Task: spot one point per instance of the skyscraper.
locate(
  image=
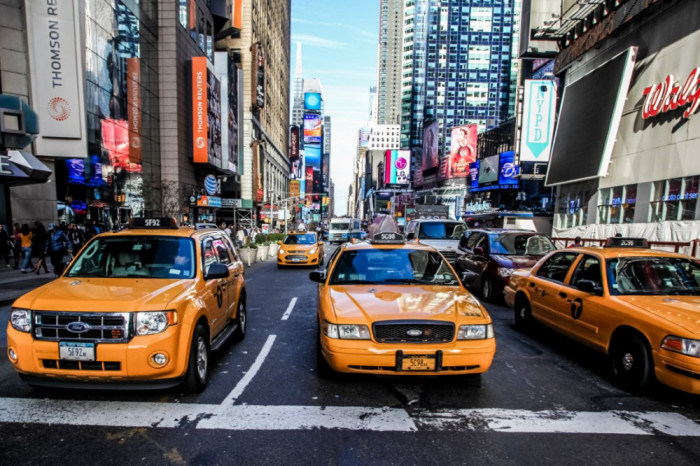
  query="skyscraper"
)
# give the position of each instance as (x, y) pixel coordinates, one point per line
(389, 62)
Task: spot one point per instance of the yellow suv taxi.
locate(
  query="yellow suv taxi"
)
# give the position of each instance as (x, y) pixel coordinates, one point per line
(387, 306)
(639, 306)
(300, 248)
(141, 308)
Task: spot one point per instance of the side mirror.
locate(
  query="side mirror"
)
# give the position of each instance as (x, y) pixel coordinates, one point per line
(216, 271)
(589, 286)
(468, 277)
(410, 236)
(479, 251)
(320, 243)
(279, 242)
(318, 277)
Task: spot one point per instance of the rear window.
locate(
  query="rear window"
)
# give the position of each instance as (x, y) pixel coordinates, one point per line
(441, 230)
(520, 245)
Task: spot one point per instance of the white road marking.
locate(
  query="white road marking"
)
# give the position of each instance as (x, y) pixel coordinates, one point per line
(289, 308)
(277, 418)
(254, 368)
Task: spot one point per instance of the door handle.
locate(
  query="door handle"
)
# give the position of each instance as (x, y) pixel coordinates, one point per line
(562, 294)
(531, 284)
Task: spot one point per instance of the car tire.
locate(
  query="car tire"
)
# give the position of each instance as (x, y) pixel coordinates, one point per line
(197, 375)
(523, 314)
(486, 289)
(631, 361)
(241, 319)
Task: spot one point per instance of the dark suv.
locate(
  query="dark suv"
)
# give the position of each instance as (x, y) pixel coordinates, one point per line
(489, 256)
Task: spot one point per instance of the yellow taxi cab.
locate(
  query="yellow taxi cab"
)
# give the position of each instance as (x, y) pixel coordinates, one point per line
(387, 306)
(302, 248)
(141, 308)
(638, 306)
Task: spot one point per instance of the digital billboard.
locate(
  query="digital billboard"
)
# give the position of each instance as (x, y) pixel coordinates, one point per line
(430, 146)
(313, 125)
(489, 170)
(312, 101)
(199, 109)
(462, 150)
(508, 171)
(474, 174)
(364, 137)
(312, 155)
(397, 166)
(539, 111)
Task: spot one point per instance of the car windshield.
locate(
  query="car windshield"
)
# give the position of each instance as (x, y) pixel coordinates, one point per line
(136, 257)
(441, 230)
(512, 244)
(340, 226)
(653, 276)
(393, 266)
(308, 238)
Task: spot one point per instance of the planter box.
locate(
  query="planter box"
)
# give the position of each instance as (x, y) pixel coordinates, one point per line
(263, 251)
(273, 249)
(248, 255)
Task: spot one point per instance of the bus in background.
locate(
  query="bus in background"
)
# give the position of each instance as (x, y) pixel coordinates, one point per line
(344, 229)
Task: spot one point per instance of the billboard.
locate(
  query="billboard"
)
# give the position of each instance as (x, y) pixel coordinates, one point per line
(228, 73)
(539, 112)
(508, 171)
(312, 155)
(133, 107)
(364, 137)
(199, 109)
(474, 174)
(430, 146)
(312, 101)
(313, 125)
(462, 150)
(397, 166)
(258, 76)
(489, 170)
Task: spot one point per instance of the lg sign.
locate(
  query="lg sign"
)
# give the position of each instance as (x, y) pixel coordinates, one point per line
(670, 95)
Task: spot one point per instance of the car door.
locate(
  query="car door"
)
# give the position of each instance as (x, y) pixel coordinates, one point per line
(464, 260)
(545, 286)
(232, 286)
(215, 295)
(582, 310)
(237, 279)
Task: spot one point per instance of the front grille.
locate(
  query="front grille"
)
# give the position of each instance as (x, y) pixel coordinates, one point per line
(399, 331)
(82, 365)
(103, 327)
(449, 255)
(298, 257)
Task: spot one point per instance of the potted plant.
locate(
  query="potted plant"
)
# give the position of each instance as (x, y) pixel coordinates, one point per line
(248, 252)
(263, 246)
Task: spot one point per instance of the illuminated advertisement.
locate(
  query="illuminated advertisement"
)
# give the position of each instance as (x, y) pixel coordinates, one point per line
(312, 101)
(462, 150)
(508, 171)
(199, 108)
(214, 119)
(115, 140)
(430, 146)
(294, 142)
(364, 137)
(133, 107)
(474, 174)
(312, 155)
(489, 170)
(539, 111)
(313, 125)
(397, 165)
(258, 76)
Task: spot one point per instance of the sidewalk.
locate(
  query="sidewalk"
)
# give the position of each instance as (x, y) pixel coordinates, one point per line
(14, 284)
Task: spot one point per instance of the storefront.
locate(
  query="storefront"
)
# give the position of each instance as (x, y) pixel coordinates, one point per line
(625, 155)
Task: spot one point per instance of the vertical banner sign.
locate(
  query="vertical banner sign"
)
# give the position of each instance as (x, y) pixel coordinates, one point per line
(462, 150)
(258, 76)
(539, 109)
(199, 110)
(294, 142)
(237, 19)
(232, 108)
(133, 105)
(397, 166)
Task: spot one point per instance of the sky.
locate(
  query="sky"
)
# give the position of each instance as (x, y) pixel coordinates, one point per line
(339, 46)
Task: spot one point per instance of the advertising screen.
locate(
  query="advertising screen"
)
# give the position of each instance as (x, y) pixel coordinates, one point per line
(489, 170)
(232, 108)
(430, 146)
(313, 125)
(398, 166)
(364, 137)
(474, 174)
(312, 101)
(508, 172)
(312, 155)
(462, 150)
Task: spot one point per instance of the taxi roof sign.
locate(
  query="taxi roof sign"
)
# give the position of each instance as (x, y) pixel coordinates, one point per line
(385, 230)
(148, 223)
(618, 242)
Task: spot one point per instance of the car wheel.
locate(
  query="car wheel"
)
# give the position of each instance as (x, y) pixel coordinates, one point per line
(198, 368)
(486, 289)
(632, 364)
(241, 320)
(523, 314)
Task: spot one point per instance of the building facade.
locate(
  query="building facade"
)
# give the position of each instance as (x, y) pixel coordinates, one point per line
(389, 61)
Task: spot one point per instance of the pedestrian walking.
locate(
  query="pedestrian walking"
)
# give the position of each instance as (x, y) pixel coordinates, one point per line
(57, 246)
(39, 247)
(5, 246)
(17, 243)
(26, 236)
(76, 237)
(240, 237)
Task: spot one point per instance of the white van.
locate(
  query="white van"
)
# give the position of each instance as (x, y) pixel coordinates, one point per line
(442, 234)
(344, 229)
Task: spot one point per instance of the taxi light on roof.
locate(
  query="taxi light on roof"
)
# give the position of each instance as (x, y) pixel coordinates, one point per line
(618, 242)
(146, 223)
(385, 230)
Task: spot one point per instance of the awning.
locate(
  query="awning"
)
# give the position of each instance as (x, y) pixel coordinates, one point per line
(19, 167)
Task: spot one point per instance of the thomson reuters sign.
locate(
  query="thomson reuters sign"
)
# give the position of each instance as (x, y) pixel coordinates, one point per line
(199, 110)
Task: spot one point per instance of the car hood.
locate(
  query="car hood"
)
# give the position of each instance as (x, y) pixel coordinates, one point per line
(104, 295)
(297, 247)
(441, 244)
(683, 311)
(516, 262)
(385, 302)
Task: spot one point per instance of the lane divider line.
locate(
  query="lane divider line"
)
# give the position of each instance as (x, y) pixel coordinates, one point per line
(289, 308)
(254, 368)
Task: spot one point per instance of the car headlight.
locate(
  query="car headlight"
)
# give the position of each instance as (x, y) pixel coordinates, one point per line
(313, 250)
(281, 252)
(346, 331)
(475, 332)
(148, 323)
(504, 272)
(21, 320)
(682, 345)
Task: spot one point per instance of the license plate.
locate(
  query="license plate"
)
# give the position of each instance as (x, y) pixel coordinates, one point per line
(296, 259)
(76, 351)
(417, 363)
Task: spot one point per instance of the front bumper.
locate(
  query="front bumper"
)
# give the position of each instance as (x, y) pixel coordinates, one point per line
(301, 260)
(677, 370)
(365, 356)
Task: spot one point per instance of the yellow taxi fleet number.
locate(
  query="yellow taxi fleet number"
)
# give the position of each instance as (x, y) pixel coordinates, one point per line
(152, 222)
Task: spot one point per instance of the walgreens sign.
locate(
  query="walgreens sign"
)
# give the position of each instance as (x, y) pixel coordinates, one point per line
(669, 95)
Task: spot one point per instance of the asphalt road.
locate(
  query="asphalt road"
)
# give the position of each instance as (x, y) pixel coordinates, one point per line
(545, 400)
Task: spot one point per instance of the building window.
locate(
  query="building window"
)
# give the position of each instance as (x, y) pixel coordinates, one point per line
(183, 13)
(674, 199)
(618, 204)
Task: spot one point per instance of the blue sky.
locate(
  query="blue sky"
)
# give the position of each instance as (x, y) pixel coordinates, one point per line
(339, 46)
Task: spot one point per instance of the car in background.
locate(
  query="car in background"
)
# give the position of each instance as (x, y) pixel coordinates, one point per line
(392, 307)
(442, 234)
(301, 248)
(489, 257)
